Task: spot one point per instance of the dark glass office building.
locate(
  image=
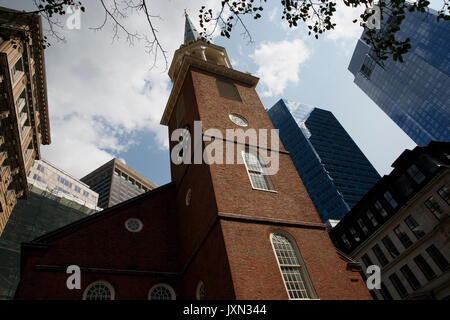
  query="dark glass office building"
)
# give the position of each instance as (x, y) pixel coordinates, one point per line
(415, 94)
(115, 182)
(333, 169)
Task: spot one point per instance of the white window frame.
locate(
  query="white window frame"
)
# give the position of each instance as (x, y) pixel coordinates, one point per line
(102, 282)
(164, 285)
(263, 171)
(301, 265)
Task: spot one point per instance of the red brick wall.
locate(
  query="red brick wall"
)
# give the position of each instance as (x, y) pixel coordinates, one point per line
(256, 274)
(211, 266)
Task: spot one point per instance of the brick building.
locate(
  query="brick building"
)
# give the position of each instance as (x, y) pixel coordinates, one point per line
(217, 231)
(55, 200)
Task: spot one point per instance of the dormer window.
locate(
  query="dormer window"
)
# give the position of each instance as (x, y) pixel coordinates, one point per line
(416, 174)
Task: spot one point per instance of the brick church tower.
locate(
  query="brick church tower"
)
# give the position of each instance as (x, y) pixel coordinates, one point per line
(218, 230)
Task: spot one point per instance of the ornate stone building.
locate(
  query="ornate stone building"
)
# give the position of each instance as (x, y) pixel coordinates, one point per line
(24, 122)
(402, 225)
(217, 231)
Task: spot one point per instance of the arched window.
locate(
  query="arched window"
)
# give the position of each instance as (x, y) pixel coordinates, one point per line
(161, 291)
(200, 294)
(293, 271)
(99, 290)
(256, 172)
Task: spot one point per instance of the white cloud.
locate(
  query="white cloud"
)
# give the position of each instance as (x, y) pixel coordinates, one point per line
(279, 64)
(345, 30)
(102, 94)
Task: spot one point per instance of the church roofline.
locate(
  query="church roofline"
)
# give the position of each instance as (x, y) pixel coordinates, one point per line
(189, 62)
(38, 242)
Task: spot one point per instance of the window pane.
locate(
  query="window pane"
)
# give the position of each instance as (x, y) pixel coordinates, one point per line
(390, 199)
(444, 193)
(390, 246)
(354, 234)
(415, 173)
(438, 258)
(366, 259)
(292, 271)
(252, 162)
(380, 209)
(403, 236)
(345, 241)
(433, 206)
(255, 171)
(362, 226)
(424, 267)
(380, 255)
(414, 227)
(385, 292)
(410, 277)
(372, 218)
(398, 285)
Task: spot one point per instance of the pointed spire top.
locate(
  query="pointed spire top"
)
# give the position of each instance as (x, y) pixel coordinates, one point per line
(190, 33)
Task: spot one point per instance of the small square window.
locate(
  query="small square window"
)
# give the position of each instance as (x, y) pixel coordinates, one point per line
(444, 193)
(414, 227)
(416, 174)
(433, 206)
(228, 90)
(390, 199)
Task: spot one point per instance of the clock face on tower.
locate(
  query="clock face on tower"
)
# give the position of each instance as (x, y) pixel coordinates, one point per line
(238, 120)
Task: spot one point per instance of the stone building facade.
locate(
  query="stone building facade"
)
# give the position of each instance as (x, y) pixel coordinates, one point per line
(402, 225)
(24, 121)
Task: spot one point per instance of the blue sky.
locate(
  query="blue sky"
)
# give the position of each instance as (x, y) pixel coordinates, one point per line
(105, 101)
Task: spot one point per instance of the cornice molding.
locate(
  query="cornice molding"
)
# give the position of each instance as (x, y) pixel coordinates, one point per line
(256, 219)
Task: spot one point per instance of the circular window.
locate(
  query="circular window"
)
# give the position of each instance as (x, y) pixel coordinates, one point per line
(238, 120)
(161, 292)
(99, 290)
(133, 225)
(200, 291)
(188, 197)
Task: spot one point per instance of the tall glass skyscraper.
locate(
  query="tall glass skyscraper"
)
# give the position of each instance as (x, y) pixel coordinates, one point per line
(333, 169)
(415, 94)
